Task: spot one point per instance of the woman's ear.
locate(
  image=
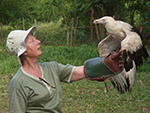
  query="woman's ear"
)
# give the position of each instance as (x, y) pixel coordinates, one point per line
(25, 53)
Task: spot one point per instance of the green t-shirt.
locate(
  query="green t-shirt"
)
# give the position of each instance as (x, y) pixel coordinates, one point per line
(28, 94)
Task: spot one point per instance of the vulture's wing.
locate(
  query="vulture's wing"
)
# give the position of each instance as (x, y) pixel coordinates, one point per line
(119, 81)
(134, 54)
(107, 45)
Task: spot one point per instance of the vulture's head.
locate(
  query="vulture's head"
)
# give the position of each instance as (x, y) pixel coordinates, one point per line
(104, 20)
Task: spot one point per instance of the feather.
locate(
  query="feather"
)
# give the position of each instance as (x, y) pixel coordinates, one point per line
(126, 37)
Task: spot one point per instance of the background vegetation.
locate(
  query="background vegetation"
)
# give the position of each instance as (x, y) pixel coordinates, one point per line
(68, 35)
(58, 19)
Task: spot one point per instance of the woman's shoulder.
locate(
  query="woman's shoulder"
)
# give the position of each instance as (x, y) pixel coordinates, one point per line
(16, 80)
(17, 77)
(49, 64)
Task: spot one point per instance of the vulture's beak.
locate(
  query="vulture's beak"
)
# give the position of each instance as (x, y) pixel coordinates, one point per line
(97, 21)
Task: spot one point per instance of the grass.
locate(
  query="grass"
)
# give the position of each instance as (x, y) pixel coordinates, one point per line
(83, 96)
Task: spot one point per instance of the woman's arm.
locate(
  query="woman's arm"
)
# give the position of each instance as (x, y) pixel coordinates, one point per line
(78, 73)
(99, 68)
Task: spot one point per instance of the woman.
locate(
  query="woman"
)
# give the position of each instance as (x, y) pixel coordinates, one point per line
(36, 87)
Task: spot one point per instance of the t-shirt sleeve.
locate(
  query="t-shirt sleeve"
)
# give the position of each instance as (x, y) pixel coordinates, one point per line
(64, 72)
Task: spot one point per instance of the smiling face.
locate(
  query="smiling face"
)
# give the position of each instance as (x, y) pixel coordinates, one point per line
(33, 47)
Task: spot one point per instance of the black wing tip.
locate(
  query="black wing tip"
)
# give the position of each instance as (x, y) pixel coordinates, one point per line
(128, 61)
(126, 87)
(134, 29)
(138, 57)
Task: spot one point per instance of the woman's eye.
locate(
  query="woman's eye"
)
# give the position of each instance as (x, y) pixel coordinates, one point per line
(32, 41)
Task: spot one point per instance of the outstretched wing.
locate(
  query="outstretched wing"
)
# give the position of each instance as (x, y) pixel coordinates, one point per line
(119, 81)
(107, 45)
(134, 54)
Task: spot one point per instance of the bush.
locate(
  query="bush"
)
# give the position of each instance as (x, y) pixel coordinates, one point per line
(4, 33)
(51, 33)
(55, 33)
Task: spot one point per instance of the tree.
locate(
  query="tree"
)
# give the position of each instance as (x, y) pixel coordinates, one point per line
(10, 10)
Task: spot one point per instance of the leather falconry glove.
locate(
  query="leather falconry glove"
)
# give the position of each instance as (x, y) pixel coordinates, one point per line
(101, 68)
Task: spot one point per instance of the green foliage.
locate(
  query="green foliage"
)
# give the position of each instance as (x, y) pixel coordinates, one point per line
(52, 33)
(5, 31)
(50, 10)
(85, 96)
(71, 55)
(8, 63)
(46, 10)
(11, 10)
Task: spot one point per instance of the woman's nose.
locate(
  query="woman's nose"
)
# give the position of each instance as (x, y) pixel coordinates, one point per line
(38, 41)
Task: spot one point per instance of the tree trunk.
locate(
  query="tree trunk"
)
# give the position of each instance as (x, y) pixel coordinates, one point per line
(67, 28)
(101, 27)
(72, 31)
(35, 22)
(109, 10)
(102, 31)
(91, 24)
(67, 36)
(97, 33)
(23, 25)
(132, 17)
(75, 31)
(141, 28)
(2, 38)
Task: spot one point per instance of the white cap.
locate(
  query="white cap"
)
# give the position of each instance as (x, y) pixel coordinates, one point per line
(16, 41)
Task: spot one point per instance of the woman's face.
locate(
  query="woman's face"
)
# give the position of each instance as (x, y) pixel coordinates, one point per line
(33, 46)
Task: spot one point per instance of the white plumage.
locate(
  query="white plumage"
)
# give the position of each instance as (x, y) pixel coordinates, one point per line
(129, 40)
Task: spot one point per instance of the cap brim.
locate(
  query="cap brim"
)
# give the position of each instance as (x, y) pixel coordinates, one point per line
(31, 30)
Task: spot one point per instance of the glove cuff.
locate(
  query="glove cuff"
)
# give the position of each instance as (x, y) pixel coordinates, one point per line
(96, 69)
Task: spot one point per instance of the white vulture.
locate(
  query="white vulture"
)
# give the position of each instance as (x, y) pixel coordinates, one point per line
(129, 40)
